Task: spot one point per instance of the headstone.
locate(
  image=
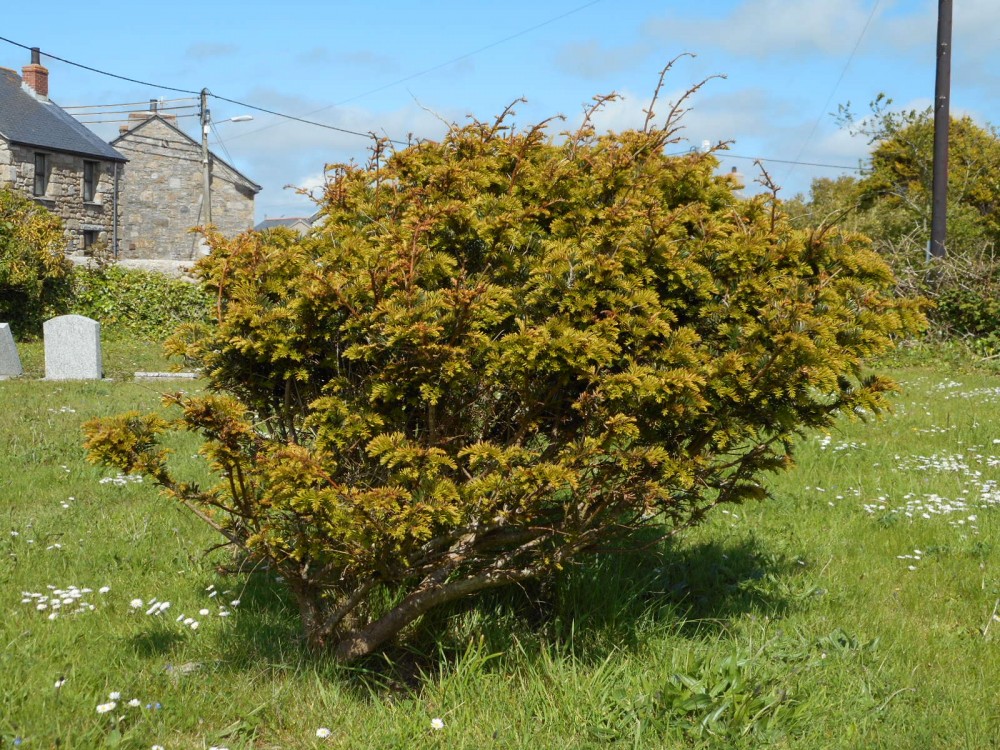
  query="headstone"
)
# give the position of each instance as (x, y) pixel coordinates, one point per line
(10, 363)
(72, 348)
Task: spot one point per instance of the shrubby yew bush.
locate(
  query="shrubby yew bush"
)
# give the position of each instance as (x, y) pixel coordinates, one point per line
(34, 271)
(501, 352)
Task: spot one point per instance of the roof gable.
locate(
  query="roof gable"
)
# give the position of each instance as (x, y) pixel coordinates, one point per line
(156, 120)
(28, 121)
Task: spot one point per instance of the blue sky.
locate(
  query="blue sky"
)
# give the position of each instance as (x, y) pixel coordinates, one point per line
(400, 68)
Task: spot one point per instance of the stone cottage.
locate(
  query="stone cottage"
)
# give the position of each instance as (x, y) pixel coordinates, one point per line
(46, 154)
(162, 194)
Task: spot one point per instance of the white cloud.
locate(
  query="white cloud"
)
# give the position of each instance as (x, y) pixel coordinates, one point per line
(209, 50)
(591, 59)
(769, 28)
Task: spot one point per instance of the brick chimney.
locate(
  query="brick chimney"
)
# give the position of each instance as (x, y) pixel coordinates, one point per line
(136, 118)
(36, 75)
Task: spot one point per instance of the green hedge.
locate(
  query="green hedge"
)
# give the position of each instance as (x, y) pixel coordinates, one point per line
(133, 302)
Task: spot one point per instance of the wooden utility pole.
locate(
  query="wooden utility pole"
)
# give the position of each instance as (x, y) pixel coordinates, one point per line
(206, 163)
(942, 122)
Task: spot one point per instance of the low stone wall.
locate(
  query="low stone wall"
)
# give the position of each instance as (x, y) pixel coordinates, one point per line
(180, 269)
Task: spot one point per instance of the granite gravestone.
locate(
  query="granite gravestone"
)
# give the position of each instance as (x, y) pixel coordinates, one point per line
(72, 348)
(10, 363)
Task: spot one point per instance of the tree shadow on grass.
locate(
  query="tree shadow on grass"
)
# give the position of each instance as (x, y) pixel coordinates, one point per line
(612, 602)
(603, 604)
(155, 642)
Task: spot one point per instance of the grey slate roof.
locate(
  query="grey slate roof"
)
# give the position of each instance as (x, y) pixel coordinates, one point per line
(26, 121)
(285, 222)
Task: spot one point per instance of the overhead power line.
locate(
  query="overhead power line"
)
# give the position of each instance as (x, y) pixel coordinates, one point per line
(294, 118)
(129, 104)
(727, 155)
(198, 93)
(125, 119)
(299, 119)
(431, 69)
(369, 134)
(128, 111)
(101, 72)
(840, 79)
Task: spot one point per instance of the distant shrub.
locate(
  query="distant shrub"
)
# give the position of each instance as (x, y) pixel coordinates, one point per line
(34, 271)
(140, 303)
(964, 288)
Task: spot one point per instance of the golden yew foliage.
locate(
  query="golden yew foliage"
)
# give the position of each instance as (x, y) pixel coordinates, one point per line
(502, 351)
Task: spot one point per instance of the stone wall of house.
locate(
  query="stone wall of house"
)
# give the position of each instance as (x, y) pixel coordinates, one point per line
(161, 195)
(64, 193)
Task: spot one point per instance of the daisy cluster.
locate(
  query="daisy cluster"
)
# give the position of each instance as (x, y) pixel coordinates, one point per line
(71, 600)
(155, 608)
(844, 445)
(947, 385)
(930, 505)
(986, 395)
(115, 700)
(122, 479)
(977, 493)
(916, 556)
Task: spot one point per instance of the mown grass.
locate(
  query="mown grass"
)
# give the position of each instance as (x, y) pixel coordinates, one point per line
(793, 623)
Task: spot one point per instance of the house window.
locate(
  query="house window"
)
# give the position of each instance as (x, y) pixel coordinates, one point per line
(89, 240)
(90, 174)
(41, 173)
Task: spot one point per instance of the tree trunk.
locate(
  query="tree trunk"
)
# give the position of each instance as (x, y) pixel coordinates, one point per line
(364, 641)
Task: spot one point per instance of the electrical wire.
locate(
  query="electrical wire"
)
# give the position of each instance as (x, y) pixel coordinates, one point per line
(430, 69)
(796, 162)
(128, 104)
(99, 122)
(833, 91)
(130, 111)
(218, 139)
(366, 93)
(102, 72)
(298, 119)
(247, 105)
(214, 96)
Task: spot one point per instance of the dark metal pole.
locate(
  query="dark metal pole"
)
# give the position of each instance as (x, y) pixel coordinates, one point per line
(942, 121)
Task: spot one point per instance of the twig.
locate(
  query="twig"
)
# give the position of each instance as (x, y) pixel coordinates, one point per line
(993, 615)
(886, 701)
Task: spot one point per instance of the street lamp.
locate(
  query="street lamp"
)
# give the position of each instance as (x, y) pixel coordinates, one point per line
(206, 162)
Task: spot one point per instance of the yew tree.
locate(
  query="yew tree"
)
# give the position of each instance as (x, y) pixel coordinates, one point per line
(501, 352)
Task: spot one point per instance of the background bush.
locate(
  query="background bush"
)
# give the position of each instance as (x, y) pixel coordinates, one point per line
(891, 203)
(134, 302)
(34, 271)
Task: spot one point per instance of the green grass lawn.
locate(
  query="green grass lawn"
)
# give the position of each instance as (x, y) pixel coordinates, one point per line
(859, 608)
